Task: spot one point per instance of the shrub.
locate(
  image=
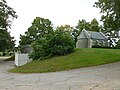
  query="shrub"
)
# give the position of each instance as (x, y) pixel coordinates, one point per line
(4, 54)
(60, 43)
(11, 53)
(40, 49)
(118, 44)
(97, 46)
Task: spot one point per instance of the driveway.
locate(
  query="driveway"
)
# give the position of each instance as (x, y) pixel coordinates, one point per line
(3, 58)
(104, 77)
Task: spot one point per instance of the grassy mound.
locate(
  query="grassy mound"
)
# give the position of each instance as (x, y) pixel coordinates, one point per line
(78, 59)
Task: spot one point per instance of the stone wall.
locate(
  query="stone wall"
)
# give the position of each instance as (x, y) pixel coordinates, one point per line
(82, 43)
(100, 42)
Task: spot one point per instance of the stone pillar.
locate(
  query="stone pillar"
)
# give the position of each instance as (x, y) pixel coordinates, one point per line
(89, 43)
(21, 59)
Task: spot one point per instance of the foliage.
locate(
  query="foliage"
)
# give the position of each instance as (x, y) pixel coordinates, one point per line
(37, 30)
(98, 46)
(45, 41)
(111, 16)
(66, 28)
(62, 42)
(94, 26)
(6, 41)
(4, 54)
(59, 43)
(7, 14)
(78, 59)
(83, 24)
(41, 48)
(118, 44)
(80, 26)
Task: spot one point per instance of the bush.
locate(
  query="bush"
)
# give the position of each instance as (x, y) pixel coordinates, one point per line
(118, 44)
(105, 47)
(60, 43)
(11, 53)
(40, 49)
(4, 54)
(97, 46)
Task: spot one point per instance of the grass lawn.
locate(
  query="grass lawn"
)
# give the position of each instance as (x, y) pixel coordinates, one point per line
(78, 59)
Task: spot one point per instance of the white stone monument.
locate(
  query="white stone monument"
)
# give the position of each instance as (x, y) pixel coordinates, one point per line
(21, 59)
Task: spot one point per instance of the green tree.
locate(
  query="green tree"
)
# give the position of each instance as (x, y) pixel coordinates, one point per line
(118, 44)
(37, 30)
(41, 48)
(83, 24)
(59, 43)
(111, 16)
(62, 42)
(94, 25)
(66, 28)
(7, 14)
(6, 41)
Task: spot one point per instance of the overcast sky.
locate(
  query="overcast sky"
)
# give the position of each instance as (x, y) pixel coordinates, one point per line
(60, 12)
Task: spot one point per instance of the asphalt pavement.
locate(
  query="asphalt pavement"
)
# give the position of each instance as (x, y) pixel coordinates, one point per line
(103, 77)
(3, 58)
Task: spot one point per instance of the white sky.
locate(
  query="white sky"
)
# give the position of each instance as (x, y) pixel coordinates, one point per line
(60, 12)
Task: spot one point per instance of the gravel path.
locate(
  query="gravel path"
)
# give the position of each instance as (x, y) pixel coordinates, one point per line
(104, 77)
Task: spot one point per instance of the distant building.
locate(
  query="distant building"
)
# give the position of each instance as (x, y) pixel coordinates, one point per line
(87, 39)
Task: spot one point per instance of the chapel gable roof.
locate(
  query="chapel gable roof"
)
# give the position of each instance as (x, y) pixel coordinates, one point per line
(91, 34)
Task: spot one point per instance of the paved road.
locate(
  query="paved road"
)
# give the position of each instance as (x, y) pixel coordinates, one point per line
(104, 77)
(3, 58)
